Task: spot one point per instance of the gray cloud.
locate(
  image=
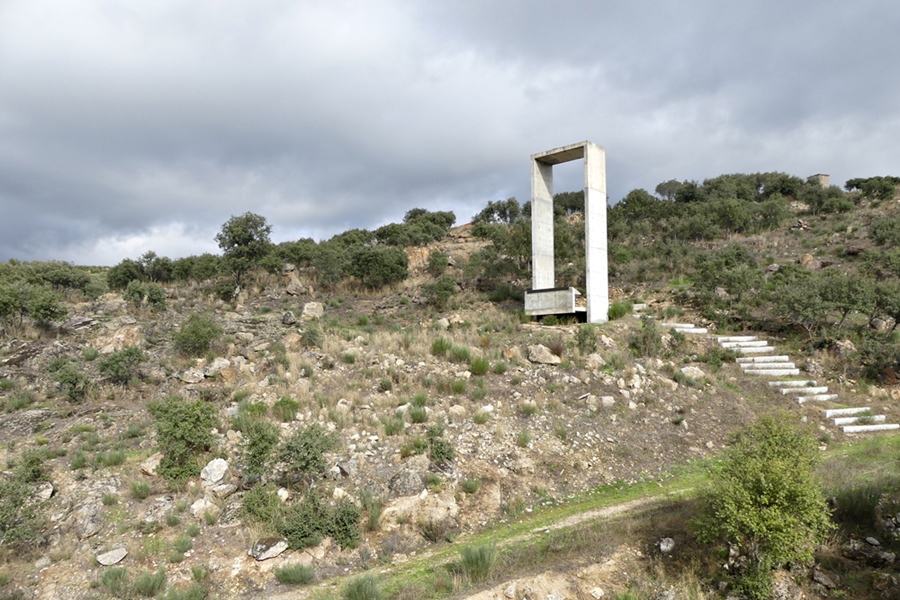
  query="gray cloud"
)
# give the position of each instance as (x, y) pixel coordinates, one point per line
(128, 127)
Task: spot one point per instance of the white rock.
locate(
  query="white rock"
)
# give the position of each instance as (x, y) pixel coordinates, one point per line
(693, 372)
(541, 354)
(266, 548)
(112, 557)
(151, 464)
(192, 375)
(199, 507)
(283, 494)
(312, 311)
(215, 470)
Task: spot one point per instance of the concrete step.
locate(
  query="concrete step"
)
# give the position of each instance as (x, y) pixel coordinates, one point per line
(868, 428)
(762, 350)
(749, 344)
(855, 420)
(768, 365)
(840, 412)
(753, 359)
(804, 391)
(815, 398)
(793, 383)
(736, 338)
(677, 325)
(691, 330)
(638, 307)
(773, 372)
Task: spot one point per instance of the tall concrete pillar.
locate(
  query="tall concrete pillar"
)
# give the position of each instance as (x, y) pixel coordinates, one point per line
(542, 254)
(595, 242)
(543, 274)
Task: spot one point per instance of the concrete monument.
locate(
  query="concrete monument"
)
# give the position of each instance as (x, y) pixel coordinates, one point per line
(545, 298)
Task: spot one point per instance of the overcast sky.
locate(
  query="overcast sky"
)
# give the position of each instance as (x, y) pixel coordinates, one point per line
(132, 126)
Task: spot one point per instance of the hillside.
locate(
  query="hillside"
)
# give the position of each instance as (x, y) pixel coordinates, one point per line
(369, 427)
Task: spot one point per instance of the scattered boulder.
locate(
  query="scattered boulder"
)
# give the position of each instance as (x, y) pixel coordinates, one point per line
(666, 545)
(288, 318)
(268, 547)
(407, 482)
(214, 471)
(312, 311)
(541, 354)
(112, 557)
(151, 464)
(693, 372)
(192, 375)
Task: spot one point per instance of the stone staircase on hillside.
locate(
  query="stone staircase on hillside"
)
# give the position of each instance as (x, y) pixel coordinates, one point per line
(757, 357)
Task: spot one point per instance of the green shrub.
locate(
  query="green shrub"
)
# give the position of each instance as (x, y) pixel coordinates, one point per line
(765, 499)
(140, 489)
(441, 451)
(196, 335)
(183, 543)
(499, 368)
(113, 458)
(458, 386)
(378, 266)
(344, 524)
(261, 439)
(183, 431)
(373, 507)
(303, 524)
(262, 505)
(364, 587)
(150, 584)
(438, 294)
(122, 366)
(471, 485)
(437, 263)
(440, 346)
(285, 409)
(115, 581)
(304, 452)
(523, 438)
(72, 382)
(418, 414)
(646, 342)
(392, 425)
(460, 354)
(477, 562)
(479, 365)
(480, 417)
(617, 310)
(295, 574)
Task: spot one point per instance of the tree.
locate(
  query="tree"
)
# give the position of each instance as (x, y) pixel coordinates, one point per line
(379, 266)
(765, 499)
(244, 241)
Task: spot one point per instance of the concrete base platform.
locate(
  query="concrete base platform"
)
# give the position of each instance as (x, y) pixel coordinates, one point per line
(793, 383)
(855, 420)
(753, 359)
(806, 391)
(749, 344)
(868, 428)
(815, 398)
(840, 412)
(768, 365)
(691, 330)
(761, 350)
(773, 372)
(736, 338)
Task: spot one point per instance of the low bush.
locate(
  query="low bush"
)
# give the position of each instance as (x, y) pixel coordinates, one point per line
(364, 587)
(183, 431)
(285, 409)
(479, 365)
(73, 384)
(196, 335)
(148, 584)
(440, 346)
(304, 451)
(477, 562)
(122, 366)
(295, 574)
(617, 310)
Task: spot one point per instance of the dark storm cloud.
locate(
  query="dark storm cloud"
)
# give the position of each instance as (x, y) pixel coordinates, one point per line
(126, 127)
